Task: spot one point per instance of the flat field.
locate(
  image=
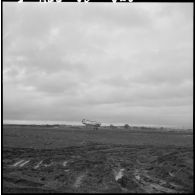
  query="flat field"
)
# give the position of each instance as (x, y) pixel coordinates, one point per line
(74, 159)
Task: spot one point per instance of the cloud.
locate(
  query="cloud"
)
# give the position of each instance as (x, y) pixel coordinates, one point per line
(114, 63)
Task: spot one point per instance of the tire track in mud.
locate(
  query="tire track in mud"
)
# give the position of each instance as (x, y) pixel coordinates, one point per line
(98, 168)
(150, 184)
(78, 181)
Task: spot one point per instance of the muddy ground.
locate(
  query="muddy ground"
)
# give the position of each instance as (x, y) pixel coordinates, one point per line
(94, 166)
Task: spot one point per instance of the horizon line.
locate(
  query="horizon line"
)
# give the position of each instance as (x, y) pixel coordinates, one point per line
(76, 123)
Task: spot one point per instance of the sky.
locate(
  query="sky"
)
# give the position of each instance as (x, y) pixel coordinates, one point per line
(113, 63)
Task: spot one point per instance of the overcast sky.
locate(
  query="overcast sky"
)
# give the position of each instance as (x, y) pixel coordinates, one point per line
(114, 63)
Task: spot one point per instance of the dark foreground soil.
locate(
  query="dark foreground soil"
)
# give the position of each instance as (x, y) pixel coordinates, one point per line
(98, 168)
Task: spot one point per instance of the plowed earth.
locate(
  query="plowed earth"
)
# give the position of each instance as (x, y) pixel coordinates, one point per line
(98, 168)
(37, 160)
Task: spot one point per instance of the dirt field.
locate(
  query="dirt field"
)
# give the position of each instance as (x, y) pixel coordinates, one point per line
(73, 159)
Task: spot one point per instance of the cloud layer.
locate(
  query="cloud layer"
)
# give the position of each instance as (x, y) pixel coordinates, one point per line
(116, 63)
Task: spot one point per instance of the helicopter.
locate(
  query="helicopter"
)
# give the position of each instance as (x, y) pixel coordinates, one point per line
(93, 124)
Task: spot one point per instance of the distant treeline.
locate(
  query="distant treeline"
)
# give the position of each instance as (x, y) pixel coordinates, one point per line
(34, 125)
(126, 126)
